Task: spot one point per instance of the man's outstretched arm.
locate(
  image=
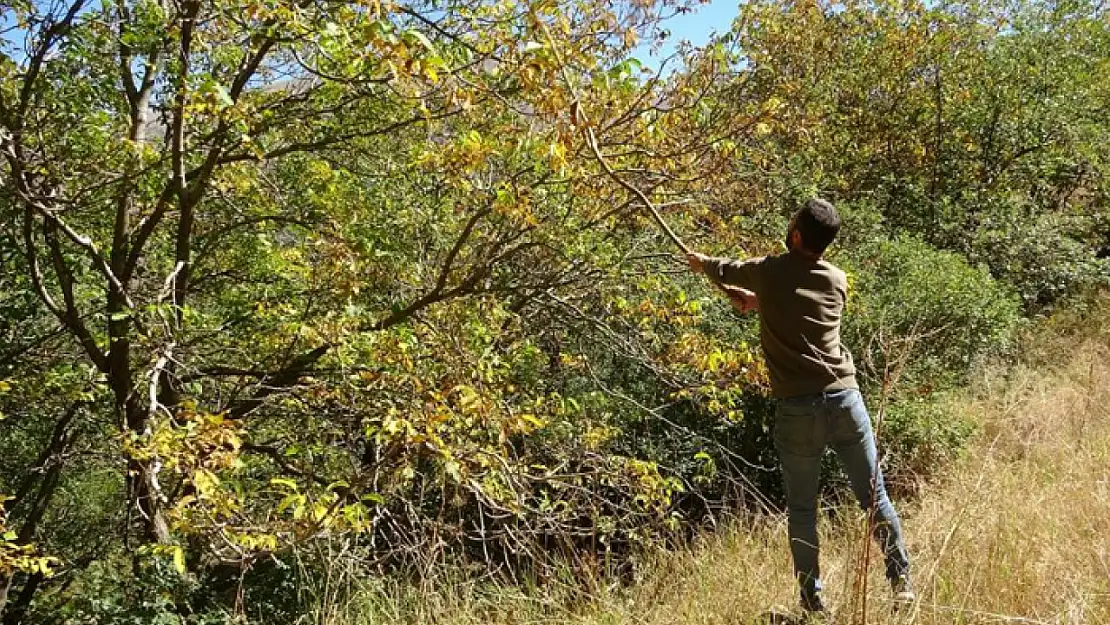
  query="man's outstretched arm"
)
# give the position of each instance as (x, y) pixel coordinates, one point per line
(741, 273)
(736, 278)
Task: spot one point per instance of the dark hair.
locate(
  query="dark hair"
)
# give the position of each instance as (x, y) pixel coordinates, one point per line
(817, 222)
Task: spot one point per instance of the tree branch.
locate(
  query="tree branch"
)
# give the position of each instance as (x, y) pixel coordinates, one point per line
(53, 448)
(280, 381)
(72, 317)
(55, 31)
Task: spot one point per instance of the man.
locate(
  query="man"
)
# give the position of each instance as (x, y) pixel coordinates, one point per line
(800, 299)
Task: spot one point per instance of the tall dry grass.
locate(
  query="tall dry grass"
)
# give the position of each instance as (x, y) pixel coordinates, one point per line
(1017, 532)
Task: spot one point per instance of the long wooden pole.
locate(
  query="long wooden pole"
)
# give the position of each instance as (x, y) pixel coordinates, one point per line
(580, 120)
(591, 142)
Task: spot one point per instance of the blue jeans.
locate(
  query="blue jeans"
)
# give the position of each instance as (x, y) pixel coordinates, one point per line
(804, 426)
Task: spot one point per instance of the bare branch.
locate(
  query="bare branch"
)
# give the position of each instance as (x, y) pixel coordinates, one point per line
(31, 250)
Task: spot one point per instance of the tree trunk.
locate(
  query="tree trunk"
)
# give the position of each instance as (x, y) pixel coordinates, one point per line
(18, 610)
(142, 479)
(38, 506)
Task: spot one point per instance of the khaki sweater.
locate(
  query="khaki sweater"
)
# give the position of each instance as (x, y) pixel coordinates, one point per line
(800, 304)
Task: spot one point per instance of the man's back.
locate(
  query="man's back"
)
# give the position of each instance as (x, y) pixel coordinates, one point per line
(801, 301)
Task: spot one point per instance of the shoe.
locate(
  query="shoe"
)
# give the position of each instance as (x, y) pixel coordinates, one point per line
(814, 613)
(809, 595)
(903, 590)
(812, 604)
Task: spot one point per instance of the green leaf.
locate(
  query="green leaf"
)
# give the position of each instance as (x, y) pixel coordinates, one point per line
(294, 500)
(286, 482)
(223, 95)
(419, 37)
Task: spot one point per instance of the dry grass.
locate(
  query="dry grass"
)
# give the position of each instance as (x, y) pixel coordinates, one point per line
(1019, 532)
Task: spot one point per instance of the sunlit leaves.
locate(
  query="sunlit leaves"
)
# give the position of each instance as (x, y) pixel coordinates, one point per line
(16, 555)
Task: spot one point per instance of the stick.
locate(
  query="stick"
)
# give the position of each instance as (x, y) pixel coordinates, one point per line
(579, 119)
(591, 141)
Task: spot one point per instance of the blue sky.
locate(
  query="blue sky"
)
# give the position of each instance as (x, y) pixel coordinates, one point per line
(695, 27)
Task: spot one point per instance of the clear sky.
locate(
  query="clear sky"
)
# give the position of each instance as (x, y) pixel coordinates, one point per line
(696, 27)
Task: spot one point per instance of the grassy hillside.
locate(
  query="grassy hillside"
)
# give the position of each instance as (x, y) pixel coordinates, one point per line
(1016, 532)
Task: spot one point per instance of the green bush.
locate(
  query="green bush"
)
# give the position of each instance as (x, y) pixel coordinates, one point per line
(118, 593)
(921, 317)
(1042, 256)
(920, 436)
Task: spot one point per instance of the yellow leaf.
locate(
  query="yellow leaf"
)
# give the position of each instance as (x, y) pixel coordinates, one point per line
(537, 422)
(205, 481)
(178, 559)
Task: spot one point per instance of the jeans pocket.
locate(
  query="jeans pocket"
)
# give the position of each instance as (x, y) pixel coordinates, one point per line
(795, 428)
(797, 406)
(853, 421)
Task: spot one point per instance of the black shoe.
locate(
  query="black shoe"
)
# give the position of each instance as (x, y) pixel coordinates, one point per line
(812, 603)
(814, 612)
(903, 591)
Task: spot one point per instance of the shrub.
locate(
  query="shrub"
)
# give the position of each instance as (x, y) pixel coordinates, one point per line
(922, 315)
(920, 436)
(1043, 257)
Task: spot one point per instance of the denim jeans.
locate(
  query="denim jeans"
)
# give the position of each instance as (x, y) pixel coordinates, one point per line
(804, 426)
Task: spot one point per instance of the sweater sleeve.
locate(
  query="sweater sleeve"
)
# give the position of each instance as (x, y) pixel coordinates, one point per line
(841, 285)
(741, 273)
